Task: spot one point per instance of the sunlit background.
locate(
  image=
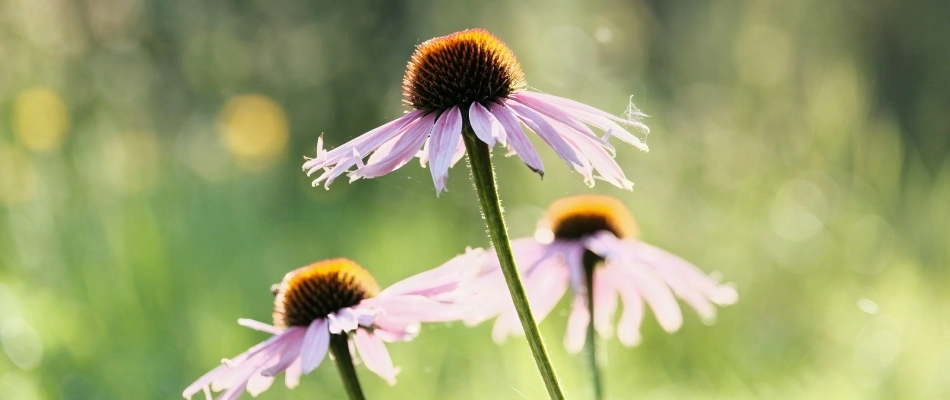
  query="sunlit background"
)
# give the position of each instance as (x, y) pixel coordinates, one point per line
(151, 192)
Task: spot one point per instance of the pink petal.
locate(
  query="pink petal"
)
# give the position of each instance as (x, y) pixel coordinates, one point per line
(516, 138)
(717, 293)
(448, 275)
(605, 303)
(344, 320)
(556, 113)
(593, 116)
(204, 381)
(459, 153)
(600, 160)
(342, 158)
(395, 331)
(486, 127)
(404, 148)
(545, 286)
(288, 354)
(375, 356)
(648, 283)
(628, 329)
(257, 384)
(292, 374)
(537, 123)
(315, 345)
(443, 144)
(577, 325)
(506, 324)
(412, 308)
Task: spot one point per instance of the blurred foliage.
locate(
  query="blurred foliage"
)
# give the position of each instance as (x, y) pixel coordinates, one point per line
(150, 189)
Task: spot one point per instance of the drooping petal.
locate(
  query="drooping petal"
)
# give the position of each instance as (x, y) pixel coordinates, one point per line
(537, 123)
(544, 286)
(605, 303)
(557, 114)
(516, 138)
(577, 325)
(443, 278)
(594, 116)
(628, 329)
(404, 148)
(204, 381)
(485, 125)
(341, 159)
(648, 283)
(715, 292)
(598, 158)
(315, 345)
(375, 356)
(443, 144)
(343, 320)
(258, 383)
(292, 374)
(412, 308)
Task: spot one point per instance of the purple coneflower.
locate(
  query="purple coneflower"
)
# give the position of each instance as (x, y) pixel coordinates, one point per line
(471, 78)
(592, 237)
(333, 301)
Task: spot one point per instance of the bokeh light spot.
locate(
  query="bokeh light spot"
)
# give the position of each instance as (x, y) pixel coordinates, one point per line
(40, 119)
(21, 342)
(254, 129)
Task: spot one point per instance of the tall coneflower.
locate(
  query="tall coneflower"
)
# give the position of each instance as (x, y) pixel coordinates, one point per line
(467, 93)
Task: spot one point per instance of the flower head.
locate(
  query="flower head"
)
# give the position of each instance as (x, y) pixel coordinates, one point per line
(471, 81)
(337, 297)
(595, 236)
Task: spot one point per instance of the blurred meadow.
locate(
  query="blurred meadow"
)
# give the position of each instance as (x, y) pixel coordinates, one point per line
(151, 192)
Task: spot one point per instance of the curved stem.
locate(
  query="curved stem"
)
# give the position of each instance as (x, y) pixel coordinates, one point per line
(590, 346)
(483, 174)
(340, 347)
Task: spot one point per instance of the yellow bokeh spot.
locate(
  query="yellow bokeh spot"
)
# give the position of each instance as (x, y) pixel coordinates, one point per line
(254, 129)
(17, 176)
(40, 119)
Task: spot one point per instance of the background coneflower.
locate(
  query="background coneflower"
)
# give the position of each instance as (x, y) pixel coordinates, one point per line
(588, 244)
(320, 308)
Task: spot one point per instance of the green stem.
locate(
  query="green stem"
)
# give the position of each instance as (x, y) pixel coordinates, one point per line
(340, 347)
(483, 174)
(590, 346)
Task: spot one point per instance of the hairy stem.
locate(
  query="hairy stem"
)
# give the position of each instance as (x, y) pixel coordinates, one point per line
(483, 174)
(340, 348)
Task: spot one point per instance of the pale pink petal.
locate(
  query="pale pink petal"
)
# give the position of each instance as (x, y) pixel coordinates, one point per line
(537, 123)
(516, 138)
(594, 116)
(344, 320)
(386, 148)
(410, 308)
(259, 326)
(424, 153)
(204, 381)
(506, 324)
(258, 384)
(486, 127)
(443, 144)
(599, 159)
(315, 345)
(445, 277)
(395, 331)
(544, 287)
(559, 115)
(717, 293)
(648, 283)
(404, 148)
(605, 303)
(374, 355)
(292, 374)
(288, 354)
(577, 325)
(628, 329)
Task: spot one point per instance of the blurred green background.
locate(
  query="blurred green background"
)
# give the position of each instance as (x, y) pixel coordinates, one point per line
(151, 192)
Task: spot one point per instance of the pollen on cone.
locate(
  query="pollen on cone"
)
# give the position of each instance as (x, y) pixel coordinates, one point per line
(314, 291)
(459, 69)
(578, 216)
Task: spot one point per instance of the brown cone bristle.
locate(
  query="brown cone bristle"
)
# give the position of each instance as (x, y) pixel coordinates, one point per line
(321, 288)
(459, 69)
(572, 218)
